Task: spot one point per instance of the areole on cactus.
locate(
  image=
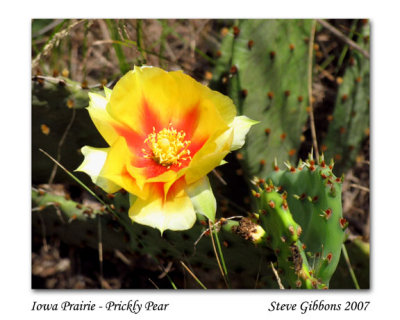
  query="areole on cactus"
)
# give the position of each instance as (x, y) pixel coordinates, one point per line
(166, 132)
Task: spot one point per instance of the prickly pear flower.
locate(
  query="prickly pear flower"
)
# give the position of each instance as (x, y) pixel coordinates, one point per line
(165, 133)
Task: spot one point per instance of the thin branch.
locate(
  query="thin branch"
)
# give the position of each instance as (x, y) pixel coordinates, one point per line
(172, 283)
(50, 26)
(342, 37)
(152, 282)
(166, 270)
(277, 277)
(122, 257)
(193, 275)
(221, 256)
(357, 186)
(326, 74)
(310, 96)
(85, 187)
(216, 254)
(54, 171)
(219, 177)
(217, 225)
(100, 249)
(53, 42)
(42, 224)
(258, 274)
(352, 274)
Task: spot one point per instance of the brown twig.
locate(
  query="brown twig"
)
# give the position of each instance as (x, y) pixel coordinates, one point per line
(193, 275)
(100, 249)
(342, 37)
(122, 257)
(54, 171)
(42, 224)
(50, 26)
(351, 271)
(277, 277)
(258, 274)
(166, 270)
(357, 186)
(310, 96)
(326, 74)
(216, 253)
(152, 282)
(53, 42)
(219, 177)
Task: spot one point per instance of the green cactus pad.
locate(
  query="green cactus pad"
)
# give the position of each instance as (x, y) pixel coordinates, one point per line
(264, 70)
(314, 197)
(349, 126)
(283, 234)
(59, 104)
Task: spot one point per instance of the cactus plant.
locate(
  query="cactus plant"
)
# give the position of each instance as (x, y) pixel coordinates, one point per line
(296, 224)
(306, 242)
(350, 120)
(77, 224)
(263, 68)
(283, 236)
(313, 194)
(59, 103)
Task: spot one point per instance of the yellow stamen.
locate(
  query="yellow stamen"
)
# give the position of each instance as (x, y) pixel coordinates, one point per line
(168, 147)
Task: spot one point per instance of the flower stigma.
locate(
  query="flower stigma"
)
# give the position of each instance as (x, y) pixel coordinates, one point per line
(167, 147)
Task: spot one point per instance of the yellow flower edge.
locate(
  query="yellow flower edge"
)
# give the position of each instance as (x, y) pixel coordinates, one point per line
(165, 133)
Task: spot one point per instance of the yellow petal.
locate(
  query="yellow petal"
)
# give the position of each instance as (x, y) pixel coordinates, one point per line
(210, 122)
(240, 126)
(107, 92)
(209, 157)
(145, 101)
(138, 174)
(93, 164)
(168, 184)
(136, 90)
(97, 101)
(104, 123)
(189, 92)
(168, 177)
(115, 169)
(202, 198)
(150, 97)
(223, 104)
(176, 213)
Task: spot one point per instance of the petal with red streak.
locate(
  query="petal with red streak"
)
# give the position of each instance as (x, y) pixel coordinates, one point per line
(116, 169)
(174, 213)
